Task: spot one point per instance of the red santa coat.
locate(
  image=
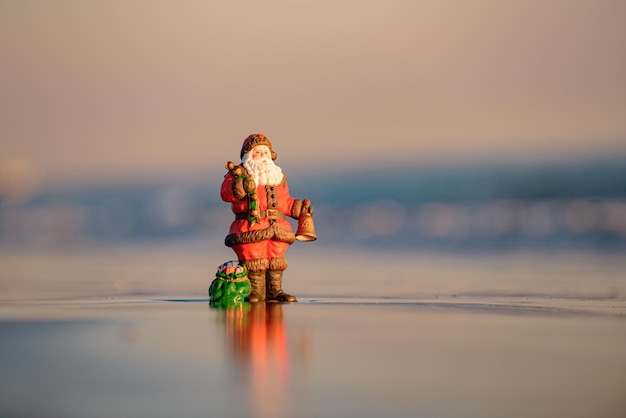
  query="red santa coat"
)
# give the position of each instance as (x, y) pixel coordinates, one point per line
(263, 244)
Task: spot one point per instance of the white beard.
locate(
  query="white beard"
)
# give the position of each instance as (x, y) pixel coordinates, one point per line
(263, 173)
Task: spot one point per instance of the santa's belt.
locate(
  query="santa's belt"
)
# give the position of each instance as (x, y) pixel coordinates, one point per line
(269, 214)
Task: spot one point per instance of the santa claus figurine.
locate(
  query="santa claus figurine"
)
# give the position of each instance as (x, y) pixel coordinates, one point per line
(260, 235)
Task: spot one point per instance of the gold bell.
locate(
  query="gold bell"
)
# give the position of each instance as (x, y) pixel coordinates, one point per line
(306, 228)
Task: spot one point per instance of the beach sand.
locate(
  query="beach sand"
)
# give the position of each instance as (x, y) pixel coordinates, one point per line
(128, 331)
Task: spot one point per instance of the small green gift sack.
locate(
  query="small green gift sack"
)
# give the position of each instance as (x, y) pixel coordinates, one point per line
(231, 285)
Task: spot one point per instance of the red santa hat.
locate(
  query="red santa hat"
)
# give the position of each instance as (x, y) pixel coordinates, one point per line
(255, 140)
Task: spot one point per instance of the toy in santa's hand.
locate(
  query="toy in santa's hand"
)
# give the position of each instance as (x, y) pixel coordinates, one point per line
(260, 234)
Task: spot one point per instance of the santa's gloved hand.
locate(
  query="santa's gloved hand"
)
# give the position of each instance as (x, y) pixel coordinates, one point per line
(249, 185)
(306, 207)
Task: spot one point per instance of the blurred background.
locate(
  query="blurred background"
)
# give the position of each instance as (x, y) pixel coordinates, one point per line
(447, 126)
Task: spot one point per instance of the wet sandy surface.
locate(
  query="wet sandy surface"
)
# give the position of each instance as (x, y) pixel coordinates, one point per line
(315, 358)
(472, 338)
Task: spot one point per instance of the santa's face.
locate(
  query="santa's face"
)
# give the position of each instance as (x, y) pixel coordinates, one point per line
(260, 166)
(261, 153)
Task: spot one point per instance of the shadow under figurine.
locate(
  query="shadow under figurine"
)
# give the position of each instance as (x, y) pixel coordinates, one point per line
(231, 285)
(260, 235)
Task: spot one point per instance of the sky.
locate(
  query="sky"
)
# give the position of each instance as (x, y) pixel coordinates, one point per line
(123, 90)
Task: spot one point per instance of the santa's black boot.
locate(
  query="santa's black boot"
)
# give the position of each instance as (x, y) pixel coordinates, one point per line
(257, 286)
(274, 287)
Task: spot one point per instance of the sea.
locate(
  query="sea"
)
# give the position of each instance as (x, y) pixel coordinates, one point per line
(451, 209)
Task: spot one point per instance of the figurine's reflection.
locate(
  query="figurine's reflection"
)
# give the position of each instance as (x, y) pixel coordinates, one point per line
(256, 336)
